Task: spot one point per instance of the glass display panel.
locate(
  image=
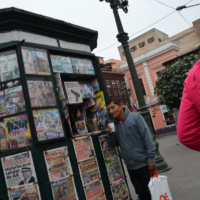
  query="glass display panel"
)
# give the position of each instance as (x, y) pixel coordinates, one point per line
(35, 61)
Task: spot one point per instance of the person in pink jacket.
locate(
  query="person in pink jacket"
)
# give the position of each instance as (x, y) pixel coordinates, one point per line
(188, 126)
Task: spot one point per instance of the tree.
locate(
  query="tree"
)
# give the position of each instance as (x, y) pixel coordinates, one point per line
(169, 86)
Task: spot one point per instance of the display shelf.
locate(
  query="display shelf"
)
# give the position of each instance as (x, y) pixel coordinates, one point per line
(73, 76)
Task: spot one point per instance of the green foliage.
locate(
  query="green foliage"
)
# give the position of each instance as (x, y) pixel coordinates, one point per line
(169, 86)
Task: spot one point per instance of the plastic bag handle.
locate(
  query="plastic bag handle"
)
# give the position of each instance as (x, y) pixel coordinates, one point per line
(154, 173)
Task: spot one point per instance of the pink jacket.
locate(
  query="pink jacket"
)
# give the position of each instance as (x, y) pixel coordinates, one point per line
(188, 127)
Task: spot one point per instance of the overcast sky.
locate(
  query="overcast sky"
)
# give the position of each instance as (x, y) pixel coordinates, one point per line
(98, 16)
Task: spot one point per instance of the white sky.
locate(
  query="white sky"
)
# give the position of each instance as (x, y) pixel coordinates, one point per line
(98, 16)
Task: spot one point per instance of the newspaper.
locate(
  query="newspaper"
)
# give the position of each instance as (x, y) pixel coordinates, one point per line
(64, 189)
(83, 147)
(48, 124)
(119, 190)
(114, 169)
(15, 102)
(89, 67)
(57, 163)
(9, 66)
(73, 92)
(95, 191)
(41, 93)
(18, 132)
(19, 169)
(61, 64)
(24, 192)
(59, 86)
(2, 103)
(107, 151)
(35, 61)
(89, 171)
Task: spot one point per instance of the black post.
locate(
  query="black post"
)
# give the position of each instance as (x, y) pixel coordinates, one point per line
(123, 38)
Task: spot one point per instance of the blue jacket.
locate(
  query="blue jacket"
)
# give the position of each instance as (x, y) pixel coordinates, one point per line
(135, 140)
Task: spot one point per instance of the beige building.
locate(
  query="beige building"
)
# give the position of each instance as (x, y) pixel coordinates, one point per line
(186, 41)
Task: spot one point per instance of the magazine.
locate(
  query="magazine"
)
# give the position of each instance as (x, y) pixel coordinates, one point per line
(91, 112)
(76, 112)
(59, 86)
(9, 66)
(92, 125)
(2, 103)
(107, 151)
(3, 141)
(119, 190)
(95, 191)
(24, 192)
(15, 102)
(61, 64)
(114, 169)
(18, 132)
(64, 189)
(89, 67)
(82, 67)
(89, 171)
(102, 117)
(100, 101)
(19, 169)
(95, 85)
(58, 163)
(73, 92)
(86, 90)
(89, 103)
(41, 93)
(35, 61)
(75, 65)
(48, 124)
(83, 147)
(81, 127)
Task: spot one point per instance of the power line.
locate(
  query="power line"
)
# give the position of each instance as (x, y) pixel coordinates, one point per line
(184, 19)
(165, 4)
(137, 32)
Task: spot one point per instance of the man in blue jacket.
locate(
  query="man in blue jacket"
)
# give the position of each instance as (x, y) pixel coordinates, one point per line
(136, 143)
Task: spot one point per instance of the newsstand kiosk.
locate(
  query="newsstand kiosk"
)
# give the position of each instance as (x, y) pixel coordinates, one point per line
(53, 141)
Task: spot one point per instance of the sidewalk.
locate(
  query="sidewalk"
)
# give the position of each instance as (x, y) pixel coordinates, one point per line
(184, 177)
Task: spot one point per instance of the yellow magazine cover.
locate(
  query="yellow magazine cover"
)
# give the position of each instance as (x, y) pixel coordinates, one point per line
(101, 104)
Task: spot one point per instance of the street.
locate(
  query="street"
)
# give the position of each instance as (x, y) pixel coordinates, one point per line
(184, 176)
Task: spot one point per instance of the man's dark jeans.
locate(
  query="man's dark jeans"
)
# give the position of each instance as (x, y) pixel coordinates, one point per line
(140, 179)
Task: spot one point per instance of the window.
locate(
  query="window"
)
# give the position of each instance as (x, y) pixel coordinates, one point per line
(159, 73)
(150, 40)
(159, 40)
(114, 88)
(133, 49)
(110, 93)
(142, 86)
(142, 44)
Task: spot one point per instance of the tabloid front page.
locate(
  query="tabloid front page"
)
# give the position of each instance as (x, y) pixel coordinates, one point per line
(19, 169)
(58, 163)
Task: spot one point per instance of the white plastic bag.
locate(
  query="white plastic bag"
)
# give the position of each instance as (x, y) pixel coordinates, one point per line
(159, 188)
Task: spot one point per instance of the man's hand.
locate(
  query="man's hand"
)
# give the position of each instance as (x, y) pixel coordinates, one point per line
(109, 129)
(152, 165)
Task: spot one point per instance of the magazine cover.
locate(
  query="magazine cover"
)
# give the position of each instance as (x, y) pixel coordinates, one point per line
(102, 117)
(92, 125)
(81, 127)
(89, 67)
(2, 103)
(25, 192)
(95, 85)
(76, 112)
(89, 171)
(64, 189)
(101, 104)
(75, 65)
(61, 64)
(41, 93)
(9, 66)
(48, 124)
(95, 191)
(58, 163)
(83, 147)
(19, 169)
(18, 132)
(119, 190)
(3, 142)
(59, 86)
(86, 90)
(82, 67)
(73, 92)
(114, 169)
(91, 112)
(89, 103)
(107, 151)
(14, 100)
